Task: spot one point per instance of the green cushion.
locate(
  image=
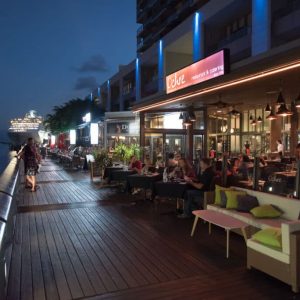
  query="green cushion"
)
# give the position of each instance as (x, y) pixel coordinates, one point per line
(232, 202)
(270, 237)
(265, 211)
(218, 193)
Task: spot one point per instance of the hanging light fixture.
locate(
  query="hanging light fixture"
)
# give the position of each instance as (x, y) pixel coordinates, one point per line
(280, 99)
(268, 108)
(234, 112)
(186, 121)
(283, 111)
(250, 118)
(271, 116)
(253, 123)
(181, 116)
(259, 119)
(297, 102)
(192, 115)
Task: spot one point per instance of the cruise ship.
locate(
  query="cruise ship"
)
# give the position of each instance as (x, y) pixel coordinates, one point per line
(22, 128)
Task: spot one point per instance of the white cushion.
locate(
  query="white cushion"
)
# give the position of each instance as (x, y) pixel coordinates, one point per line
(276, 254)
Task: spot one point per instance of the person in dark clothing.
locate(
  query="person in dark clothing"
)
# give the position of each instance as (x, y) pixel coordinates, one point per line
(29, 155)
(194, 197)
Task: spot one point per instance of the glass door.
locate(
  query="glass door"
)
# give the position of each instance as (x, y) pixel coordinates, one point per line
(175, 143)
(154, 146)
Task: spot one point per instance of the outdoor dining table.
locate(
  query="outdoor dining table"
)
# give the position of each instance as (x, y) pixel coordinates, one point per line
(145, 182)
(109, 170)
(121, 175)
(169, 189)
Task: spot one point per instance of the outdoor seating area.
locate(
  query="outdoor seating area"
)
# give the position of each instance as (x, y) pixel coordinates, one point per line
(93, 234)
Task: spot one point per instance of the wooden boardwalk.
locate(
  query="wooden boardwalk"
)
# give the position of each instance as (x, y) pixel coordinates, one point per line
(74, 240)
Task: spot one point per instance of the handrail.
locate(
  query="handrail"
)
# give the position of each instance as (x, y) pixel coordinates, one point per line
(8, 207)
(9, 177)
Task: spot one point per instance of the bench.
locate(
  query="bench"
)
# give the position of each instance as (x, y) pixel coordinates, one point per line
(282, 264)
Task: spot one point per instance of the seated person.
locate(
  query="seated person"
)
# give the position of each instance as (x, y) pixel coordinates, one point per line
(194, 197)
(242, 170)
(148, 166)
(159, 162)
(135, 164)
(171, 163)
(184, 168)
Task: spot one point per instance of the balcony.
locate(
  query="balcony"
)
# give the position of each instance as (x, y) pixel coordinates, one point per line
(150, 88)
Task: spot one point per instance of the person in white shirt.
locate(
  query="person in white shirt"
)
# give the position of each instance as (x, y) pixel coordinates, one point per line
(280, 148)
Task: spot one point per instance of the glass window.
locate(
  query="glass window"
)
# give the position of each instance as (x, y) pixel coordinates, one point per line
(163, 120)
(199, 124)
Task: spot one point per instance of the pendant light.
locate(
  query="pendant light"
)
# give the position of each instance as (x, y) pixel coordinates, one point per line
(271, 116)
(250, 118)
(192, 115)
(259, 119)
(280, 99)
(297, 102)
(283, 111)
(234, 112)
(187, 122)
(268, 108)
(253, 123)
(181, 116)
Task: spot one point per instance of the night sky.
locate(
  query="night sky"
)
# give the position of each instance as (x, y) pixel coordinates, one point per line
(54, 50)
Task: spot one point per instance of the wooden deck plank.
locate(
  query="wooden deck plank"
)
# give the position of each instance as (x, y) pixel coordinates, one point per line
(37, 272)
(83, 255)
(60, 277)
(48, 272)
(105, 275)
(109, 259)
(14, 282)
(79, 269)
(130, 262)
(69, 271)
(147, 266)
(26, 271)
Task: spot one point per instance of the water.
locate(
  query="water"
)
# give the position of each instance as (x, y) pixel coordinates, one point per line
(5, 156)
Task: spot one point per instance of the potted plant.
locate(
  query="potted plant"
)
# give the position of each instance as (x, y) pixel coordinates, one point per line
(102, 160)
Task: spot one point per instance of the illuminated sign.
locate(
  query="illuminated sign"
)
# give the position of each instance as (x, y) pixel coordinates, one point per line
(53, 138)
(72, 137)
(87, 118)
(203, 70)
(94, 133)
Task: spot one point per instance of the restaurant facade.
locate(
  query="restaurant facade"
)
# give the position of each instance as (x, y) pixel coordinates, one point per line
(211, 78)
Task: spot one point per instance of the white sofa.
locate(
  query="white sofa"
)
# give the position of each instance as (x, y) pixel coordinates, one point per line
(285, 264)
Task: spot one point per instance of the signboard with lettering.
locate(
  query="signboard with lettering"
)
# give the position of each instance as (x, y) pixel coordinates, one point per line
(210, 67)
(118, 128)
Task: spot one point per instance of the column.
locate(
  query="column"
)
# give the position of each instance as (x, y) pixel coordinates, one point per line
(197, 37)
(261, 26)
(108, 102)
(137, 79)
(121, 98)
(161, 80)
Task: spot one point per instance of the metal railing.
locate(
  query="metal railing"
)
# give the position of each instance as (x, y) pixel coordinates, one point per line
(9, 185)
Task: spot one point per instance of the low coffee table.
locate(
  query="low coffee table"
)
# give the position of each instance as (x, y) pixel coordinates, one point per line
(221, 220)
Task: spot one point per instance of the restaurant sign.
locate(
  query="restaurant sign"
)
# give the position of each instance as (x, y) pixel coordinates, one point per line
(210, 67)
